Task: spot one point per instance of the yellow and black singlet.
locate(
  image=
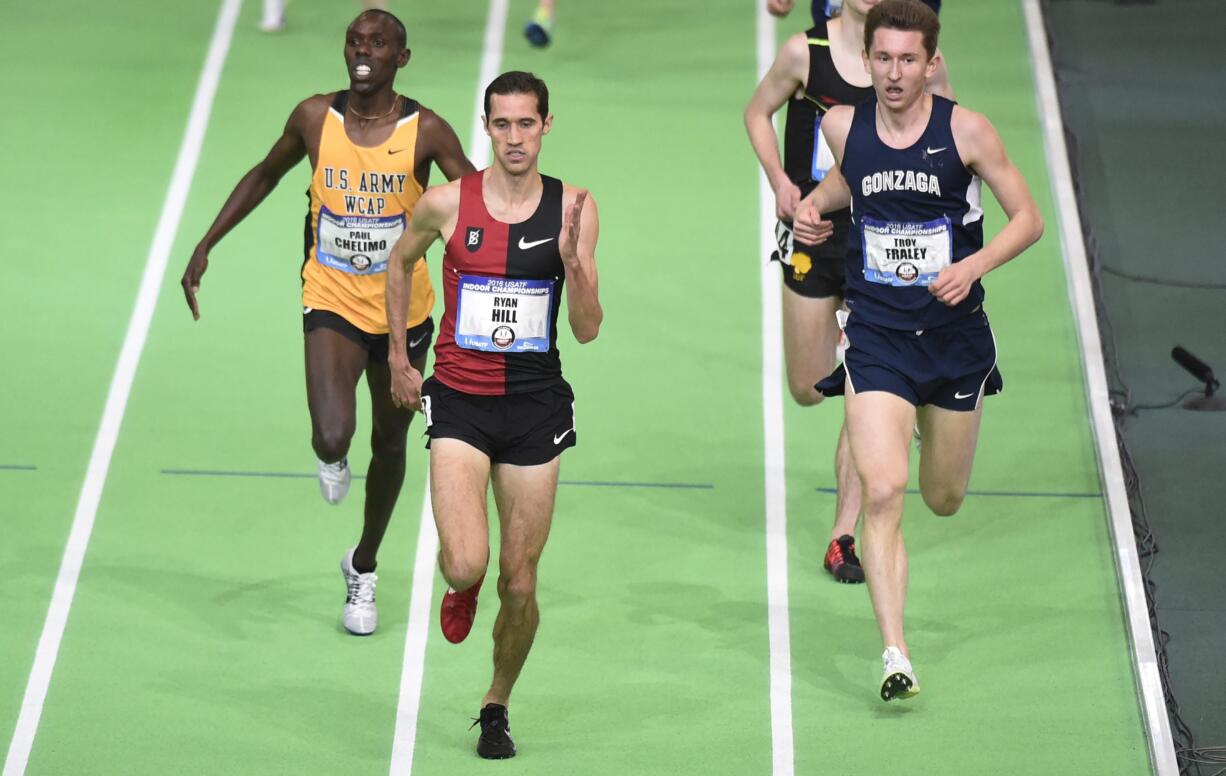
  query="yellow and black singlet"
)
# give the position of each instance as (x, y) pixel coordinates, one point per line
(806, 157)
(361, 200)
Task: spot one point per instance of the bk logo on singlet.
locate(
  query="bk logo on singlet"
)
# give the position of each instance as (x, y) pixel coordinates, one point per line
(472, 240)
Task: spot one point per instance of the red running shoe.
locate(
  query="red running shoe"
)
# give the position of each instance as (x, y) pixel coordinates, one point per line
(841, 560)
(458, 612)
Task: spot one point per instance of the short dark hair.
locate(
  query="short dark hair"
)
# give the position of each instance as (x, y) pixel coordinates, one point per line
(905, 15)
(401, 33)
(519, 82)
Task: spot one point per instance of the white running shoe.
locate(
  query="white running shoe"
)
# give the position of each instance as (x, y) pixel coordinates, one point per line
(274, 16)
(334, 480)
(360, 616)
(898, 678)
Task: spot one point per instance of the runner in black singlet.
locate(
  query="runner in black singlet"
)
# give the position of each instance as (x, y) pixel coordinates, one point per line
(813, 72)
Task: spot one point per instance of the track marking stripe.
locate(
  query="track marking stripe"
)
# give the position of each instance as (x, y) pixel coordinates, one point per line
(117, 396)
(1128, 567)
(779, 627)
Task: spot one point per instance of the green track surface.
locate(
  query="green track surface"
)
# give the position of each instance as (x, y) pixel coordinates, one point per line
(205, 634)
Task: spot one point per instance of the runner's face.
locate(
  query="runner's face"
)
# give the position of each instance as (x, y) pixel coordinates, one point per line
(515, 129)
(860, 7)
(899, 66)
(373, 54)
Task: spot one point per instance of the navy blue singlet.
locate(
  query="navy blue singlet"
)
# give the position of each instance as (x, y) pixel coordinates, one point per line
(914, 211)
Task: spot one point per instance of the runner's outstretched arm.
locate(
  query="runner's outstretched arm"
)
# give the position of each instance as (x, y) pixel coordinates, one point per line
(832, 193)
(580, 228)
(983, 152)
(423, 229)
(785, 77)
(445, 148)
(250, 192)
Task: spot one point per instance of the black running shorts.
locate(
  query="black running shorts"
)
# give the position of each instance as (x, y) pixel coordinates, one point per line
(417, 339)
(524, 429)
(813, 271)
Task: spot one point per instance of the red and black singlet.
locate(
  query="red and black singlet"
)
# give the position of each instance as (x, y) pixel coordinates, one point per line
(502, 287)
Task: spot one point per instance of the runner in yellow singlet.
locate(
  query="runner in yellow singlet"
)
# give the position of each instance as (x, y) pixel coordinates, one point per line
(370, 151)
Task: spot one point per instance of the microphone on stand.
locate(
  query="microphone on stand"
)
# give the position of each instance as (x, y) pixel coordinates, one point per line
(1203, 373)
(1197, 368)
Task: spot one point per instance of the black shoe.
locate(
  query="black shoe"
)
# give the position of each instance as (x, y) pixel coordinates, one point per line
(495, 742)
(841, 560)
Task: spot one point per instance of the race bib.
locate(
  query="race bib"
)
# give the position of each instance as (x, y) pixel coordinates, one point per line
(504, 315)
(783, 244)
(906, 254)
(358, 245)
(823, 157)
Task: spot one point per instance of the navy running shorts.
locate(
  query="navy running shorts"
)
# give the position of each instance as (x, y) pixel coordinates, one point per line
(948, 367)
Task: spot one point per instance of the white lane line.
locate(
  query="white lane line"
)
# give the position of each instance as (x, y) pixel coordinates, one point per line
(415, 641)
(782, 749)
(1128, 567)
(420, 603)
(117, 396)
(491, 61)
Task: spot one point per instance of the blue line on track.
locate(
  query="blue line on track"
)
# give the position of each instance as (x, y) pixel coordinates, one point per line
(267, 475)
(1002, 493)
(17, 467)
(299, 475)
(679, 485)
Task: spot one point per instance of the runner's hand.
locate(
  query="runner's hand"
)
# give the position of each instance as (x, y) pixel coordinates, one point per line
(787, 197)
(809, 227)
(568, 240)
(406, 384)
(196, 266)
(779, 8)
(955, 281)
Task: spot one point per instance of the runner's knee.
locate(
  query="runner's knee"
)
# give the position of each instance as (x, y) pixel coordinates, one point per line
(517, 589)
(803, 392)
(461, 567)
(331, 440)
(884, 493)
(944, 501)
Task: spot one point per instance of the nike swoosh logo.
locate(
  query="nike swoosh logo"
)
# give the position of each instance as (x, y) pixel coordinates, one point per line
(931, 151)
(395, 151)
(963, 395)
(558, 439)
(523, 246)
(418, 341)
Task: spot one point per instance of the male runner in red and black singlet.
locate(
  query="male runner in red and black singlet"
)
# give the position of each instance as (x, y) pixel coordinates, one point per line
(497, 404)
(370, 151)
(814, 71)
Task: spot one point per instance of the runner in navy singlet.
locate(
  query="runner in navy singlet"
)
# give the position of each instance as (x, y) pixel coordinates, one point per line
(910, 165)
(813, 72)
(497, 405)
